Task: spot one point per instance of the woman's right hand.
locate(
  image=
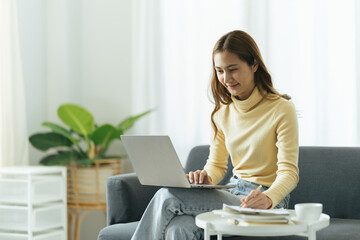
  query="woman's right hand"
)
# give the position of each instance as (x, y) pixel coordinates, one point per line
(199, 177)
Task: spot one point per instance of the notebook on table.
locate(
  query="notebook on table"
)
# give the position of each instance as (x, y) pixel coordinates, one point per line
(238, 214)
(156, 162)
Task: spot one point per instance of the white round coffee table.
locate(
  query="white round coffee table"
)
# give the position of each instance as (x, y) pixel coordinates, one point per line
(214, 224)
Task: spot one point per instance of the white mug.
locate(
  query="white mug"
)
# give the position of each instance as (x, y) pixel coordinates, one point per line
(308, 212)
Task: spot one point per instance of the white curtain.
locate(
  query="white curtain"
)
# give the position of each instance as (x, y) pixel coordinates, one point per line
(313, 54)
(13, 135)
(312, 49)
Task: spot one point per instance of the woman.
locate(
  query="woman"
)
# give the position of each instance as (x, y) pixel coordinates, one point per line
(253, 123)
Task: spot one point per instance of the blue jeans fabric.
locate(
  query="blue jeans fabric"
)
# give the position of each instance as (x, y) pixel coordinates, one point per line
(171, 213)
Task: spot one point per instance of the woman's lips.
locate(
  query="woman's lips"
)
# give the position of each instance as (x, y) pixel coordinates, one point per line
(232, 86)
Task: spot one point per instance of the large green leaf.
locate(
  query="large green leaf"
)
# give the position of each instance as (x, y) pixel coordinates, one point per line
(78, 118)
(118, 133)
(129, 122)
(60, 130)
(61, 158)
(103, 134)
(45, 141)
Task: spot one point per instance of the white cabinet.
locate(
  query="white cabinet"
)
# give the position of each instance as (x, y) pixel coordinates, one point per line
(33, 203)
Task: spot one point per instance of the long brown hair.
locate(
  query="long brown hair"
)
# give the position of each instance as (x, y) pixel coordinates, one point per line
(244, 46)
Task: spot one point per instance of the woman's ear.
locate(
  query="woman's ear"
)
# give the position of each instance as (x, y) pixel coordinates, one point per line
(255, 66)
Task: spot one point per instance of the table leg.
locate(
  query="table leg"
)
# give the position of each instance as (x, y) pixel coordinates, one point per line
(206, 232)
(70, 221)
(219, 236)
(311, 234)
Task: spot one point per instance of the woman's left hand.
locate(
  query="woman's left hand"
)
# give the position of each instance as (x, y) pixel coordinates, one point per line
(256, 199)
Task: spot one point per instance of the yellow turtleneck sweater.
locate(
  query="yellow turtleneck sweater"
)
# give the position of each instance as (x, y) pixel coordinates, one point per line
(261, 136)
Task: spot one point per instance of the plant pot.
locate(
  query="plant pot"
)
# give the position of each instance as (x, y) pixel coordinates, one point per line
(87, 185)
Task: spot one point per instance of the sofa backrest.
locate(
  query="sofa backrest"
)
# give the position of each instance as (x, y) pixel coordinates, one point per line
(329, 175)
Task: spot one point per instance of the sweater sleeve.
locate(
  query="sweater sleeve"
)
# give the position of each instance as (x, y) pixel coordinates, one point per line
(216, 165)
(288, 150)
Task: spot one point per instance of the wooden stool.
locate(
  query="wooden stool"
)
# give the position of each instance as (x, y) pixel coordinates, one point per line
(86, 190)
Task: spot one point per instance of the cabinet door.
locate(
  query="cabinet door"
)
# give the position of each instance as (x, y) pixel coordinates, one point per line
(56, 235)
(11, 236)
(43, 218)
(43, 190)
(13, 218)
(59, 235)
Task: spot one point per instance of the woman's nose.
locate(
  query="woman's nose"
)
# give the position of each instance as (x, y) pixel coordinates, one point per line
(227, 78)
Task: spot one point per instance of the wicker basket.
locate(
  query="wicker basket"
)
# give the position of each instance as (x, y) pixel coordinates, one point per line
(87, 185)
(86, 191)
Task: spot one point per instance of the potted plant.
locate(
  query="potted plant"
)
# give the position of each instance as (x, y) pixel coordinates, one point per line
(84, 141)
(82, 148)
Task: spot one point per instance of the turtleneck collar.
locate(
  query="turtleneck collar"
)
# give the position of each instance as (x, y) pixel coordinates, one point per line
(249, 103)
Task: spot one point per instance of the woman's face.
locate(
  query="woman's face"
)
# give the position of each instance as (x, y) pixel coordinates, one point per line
(236, 75)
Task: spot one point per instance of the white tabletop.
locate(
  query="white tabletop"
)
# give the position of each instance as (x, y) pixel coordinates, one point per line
(32, 170)
(217, 224)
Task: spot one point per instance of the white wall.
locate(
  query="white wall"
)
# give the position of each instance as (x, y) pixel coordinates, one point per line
(76, 51)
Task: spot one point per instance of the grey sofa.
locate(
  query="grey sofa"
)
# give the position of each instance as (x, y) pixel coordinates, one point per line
(329, 175)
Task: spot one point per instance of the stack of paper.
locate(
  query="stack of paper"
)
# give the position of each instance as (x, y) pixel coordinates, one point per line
(256, 215)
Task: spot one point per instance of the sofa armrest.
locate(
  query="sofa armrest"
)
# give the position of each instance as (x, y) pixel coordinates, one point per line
(126, 198)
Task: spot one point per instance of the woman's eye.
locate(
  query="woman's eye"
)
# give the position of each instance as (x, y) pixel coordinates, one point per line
(233, 69)
(219, 71)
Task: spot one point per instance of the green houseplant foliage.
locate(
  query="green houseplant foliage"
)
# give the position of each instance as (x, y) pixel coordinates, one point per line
(83, 141)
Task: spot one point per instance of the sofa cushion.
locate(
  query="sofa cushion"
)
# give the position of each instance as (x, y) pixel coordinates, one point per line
(121, 231)
(344, 229)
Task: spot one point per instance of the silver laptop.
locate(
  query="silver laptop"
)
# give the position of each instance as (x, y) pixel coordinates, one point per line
(156, 163)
